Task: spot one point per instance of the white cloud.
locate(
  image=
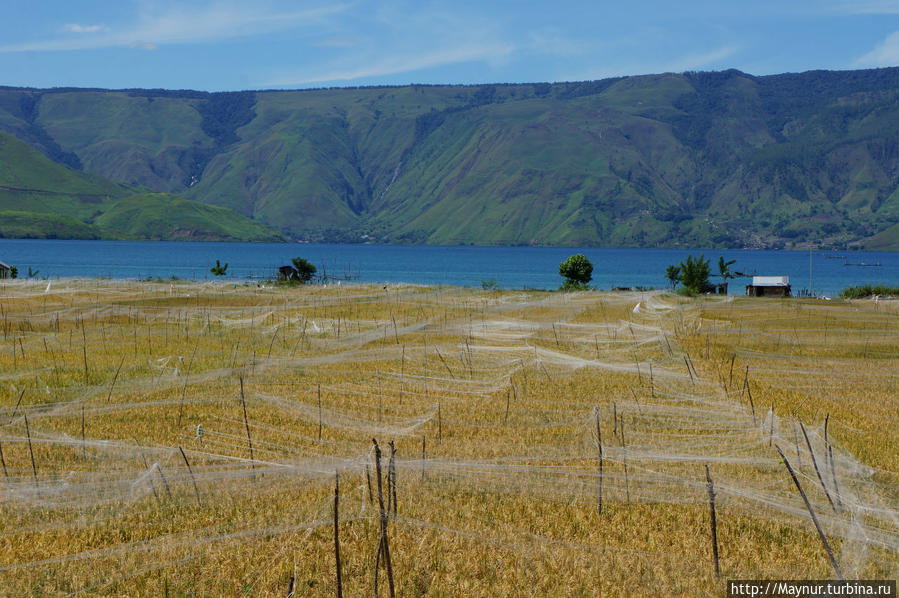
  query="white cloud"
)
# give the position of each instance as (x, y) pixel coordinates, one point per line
(395, 64)
(213, 22)
(687, 62)
(885, 54)
(692, 62)
(870, 7)
(76, 28)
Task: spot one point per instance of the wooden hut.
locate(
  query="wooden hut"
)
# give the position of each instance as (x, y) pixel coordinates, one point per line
(288, 273)
(769, 286)
(4, 270)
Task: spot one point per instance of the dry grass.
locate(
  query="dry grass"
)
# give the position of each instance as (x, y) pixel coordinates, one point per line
(500, 385)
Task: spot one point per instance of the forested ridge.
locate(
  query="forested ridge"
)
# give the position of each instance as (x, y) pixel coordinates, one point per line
(719, 159)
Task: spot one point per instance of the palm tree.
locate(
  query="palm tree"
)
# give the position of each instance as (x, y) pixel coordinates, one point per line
(724, 269)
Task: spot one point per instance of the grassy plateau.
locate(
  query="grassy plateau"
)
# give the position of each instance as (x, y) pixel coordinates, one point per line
(184, 439)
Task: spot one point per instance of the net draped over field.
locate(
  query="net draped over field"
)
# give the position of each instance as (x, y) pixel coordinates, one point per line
(187, 436)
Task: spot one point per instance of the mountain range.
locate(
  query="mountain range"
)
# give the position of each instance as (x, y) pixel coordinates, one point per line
(720, 159)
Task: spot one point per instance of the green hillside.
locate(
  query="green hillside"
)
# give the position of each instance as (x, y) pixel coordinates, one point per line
(41, 199)
(695, 159)
(159, 216)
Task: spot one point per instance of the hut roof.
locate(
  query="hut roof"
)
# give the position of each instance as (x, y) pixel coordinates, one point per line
(770, 281)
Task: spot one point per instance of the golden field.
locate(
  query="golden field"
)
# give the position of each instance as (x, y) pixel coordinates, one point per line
(492, 400)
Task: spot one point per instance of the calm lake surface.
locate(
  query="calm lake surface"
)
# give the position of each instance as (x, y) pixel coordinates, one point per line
(512, 267)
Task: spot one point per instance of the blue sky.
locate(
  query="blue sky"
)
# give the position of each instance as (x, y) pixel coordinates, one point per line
(219, 45)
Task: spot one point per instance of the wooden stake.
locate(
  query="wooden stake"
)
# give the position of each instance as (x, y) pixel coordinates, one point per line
(508, 400)
(114, 378)
(16, 409)
(811, 512)
(3, 461)
(446, 365)
(191, 472)
(319, 412)
(833, 471)
(383, 545)
(423, 457)
(599, 452)
(391, 478)
(246, 423)
(336, 533)
(165, 482)
(627, 486)
(83, 449)
(186, 379)
(714, 522)
(149, 472)
(796, 441)
(30, 450)
(402, 374)
(84, 351)
(815, 463)
(687, 363)
(730, 375)
(771, 429)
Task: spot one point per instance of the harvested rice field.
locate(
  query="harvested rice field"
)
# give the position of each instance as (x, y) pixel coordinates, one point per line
(187, 440)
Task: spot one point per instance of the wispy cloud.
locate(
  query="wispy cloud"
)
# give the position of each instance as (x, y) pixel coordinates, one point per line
(396, 64)
(699, 60)
(885, 54)
(212, 22)
(869, 7)
(76, 28)
(687, 62)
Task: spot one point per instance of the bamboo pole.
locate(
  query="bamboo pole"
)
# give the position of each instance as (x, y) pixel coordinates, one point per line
(336, 533)
(599, 456)
(811, 512)
(383, 543)
(191, 472)
(815, 463)
(710, 487)
(246, 423)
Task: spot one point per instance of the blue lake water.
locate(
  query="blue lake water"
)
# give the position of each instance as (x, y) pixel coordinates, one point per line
(511, 267)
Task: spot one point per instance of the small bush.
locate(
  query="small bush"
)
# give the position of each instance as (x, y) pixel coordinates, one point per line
(867, 290)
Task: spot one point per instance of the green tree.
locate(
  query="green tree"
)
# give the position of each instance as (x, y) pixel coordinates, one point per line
(578, 271)
(13, 271)
(218, 269)
(673, 275)
(724, 269)
(305, 269)
(695, 274)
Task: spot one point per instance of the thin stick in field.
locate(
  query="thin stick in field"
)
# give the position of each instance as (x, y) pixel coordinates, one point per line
(811, 512)
(3, 461)
(16, 409)
(246, 423)
(114, 378)
(191, 472)
(599, 450)
(336, 533)
(30, 450)
(815, 463)
(710, 487)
